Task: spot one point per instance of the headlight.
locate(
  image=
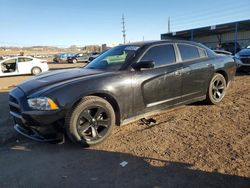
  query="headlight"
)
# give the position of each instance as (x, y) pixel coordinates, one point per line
(42, 103)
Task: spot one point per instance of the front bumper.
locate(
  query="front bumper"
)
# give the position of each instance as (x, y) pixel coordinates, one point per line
(243, 62)
(35, 135)
(38, 125)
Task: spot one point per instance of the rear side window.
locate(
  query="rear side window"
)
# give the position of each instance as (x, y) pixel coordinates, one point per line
(24, 59)
(161, 55)
(27, 59)
(202, 53)
(188, 52)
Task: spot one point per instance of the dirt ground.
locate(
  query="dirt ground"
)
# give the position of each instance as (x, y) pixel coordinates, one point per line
(192, 146)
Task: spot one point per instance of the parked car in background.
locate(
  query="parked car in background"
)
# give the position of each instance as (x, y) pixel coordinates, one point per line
(80, 57)
(226, 53)
(124, 84)
(244, 56)
(62, 58)
(229, 46)
(93, 56)
(22, 65)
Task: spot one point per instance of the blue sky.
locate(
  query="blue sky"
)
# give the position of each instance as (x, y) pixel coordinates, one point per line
(84, 22)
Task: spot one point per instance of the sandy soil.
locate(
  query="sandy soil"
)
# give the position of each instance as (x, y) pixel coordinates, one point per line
(192, 146)
(211, 138)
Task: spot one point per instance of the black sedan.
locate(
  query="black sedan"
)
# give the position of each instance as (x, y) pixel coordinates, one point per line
(124, 84)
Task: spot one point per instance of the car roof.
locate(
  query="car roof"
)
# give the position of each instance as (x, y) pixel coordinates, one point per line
(17, 57)
(155, 42)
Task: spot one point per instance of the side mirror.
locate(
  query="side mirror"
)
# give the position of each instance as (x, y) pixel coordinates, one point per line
(143, 65)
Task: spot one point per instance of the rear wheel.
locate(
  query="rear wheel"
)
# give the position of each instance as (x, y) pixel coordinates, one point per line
(74, 61)
(217, 89)
(36, 71)
(91, 121)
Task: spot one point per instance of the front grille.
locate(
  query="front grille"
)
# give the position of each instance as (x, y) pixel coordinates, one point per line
(245, 60)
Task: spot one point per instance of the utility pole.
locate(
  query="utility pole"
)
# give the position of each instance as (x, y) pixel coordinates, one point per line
(123, 29)
(168, 24)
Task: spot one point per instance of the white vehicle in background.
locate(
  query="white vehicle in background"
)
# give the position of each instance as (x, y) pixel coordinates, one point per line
(22, 65)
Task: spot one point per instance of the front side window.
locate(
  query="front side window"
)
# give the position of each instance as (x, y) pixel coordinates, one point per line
(161, 55)
(10, 61)
(114, 58)
(188, 52)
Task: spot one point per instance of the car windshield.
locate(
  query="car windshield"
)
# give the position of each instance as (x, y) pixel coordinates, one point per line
(114, 58)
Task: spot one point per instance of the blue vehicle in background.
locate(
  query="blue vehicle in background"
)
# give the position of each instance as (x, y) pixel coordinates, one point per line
(62, 58)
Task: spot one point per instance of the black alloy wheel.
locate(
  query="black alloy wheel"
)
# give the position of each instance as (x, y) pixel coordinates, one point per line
(91, 121)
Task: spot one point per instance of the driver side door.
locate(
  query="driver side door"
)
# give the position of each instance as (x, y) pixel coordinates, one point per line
(160, 86)
(8, 67)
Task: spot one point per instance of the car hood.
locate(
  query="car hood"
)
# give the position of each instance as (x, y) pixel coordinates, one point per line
(244, 52)
(53, 77)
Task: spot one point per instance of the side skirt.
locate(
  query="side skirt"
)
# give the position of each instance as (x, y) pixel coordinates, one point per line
(130, 120)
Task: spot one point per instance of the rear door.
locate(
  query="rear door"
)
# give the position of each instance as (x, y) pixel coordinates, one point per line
(196, 71)
(24, 65)
(160, 86)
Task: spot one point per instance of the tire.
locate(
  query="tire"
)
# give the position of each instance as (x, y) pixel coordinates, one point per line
(217, 89)
(85, 123)
(74, 61)
(36, 70)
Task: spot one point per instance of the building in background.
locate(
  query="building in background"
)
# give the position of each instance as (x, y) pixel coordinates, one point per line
(233, 34)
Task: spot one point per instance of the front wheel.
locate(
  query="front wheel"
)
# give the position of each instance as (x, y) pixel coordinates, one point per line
(217, 89)
(91, 121)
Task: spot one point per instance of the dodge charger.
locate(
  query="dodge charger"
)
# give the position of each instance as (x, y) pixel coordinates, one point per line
(124, 84)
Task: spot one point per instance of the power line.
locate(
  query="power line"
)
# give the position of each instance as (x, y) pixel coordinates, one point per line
(225, 8)
(202, 20)
(201, 23)
(214, 16)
